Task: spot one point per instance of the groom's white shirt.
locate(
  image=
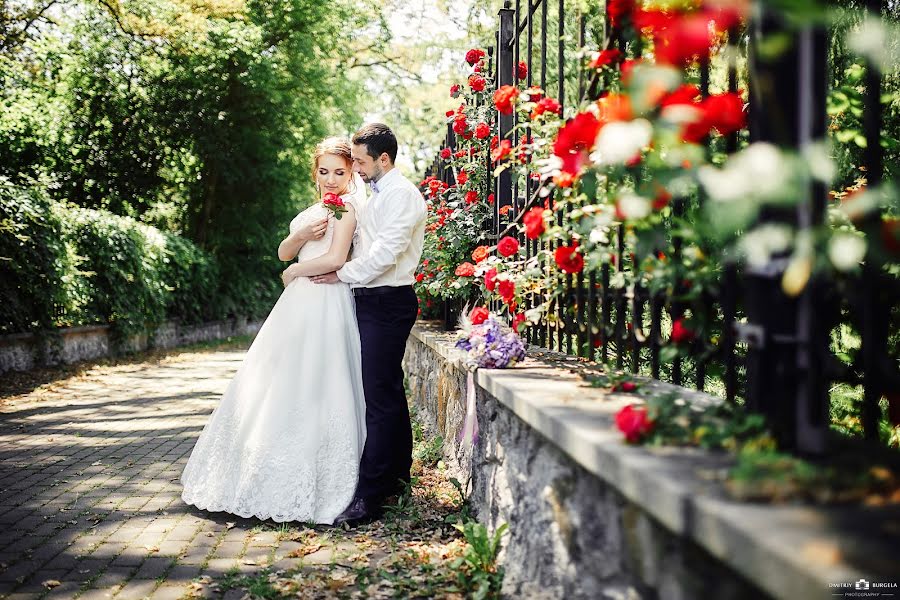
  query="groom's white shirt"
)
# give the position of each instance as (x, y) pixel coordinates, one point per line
(392, 234)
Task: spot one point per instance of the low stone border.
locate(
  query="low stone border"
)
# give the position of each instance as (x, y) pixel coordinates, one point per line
(593, 517)
(24, 351)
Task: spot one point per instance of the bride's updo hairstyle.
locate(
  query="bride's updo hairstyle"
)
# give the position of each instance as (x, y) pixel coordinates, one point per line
(337, 146)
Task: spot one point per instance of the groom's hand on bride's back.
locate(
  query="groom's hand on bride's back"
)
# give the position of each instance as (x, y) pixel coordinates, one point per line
(326, 278)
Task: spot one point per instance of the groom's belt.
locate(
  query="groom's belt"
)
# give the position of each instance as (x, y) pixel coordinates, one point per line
(379, 291)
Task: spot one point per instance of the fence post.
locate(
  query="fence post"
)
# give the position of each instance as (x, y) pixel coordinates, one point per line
(503, 192)
(785, 334)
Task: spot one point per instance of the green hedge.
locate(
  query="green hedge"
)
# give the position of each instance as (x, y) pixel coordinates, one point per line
(62, 266)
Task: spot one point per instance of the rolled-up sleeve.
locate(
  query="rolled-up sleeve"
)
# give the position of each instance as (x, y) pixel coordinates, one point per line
(403, 211)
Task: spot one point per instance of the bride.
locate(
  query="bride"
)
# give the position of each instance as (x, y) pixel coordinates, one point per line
(286, 439)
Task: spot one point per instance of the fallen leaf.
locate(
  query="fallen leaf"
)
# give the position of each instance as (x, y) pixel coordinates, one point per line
(50, 584)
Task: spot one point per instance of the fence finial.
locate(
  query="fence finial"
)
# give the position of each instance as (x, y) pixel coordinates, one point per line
(506, 4)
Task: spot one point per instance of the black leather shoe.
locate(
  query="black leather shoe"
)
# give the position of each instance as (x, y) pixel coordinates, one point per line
(359, 512)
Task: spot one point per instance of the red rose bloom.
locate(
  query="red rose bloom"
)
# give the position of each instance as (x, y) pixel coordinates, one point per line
(505, 98)
(606, 58)
(507, 290)
(466, 269)
(479, 315)
(634, 423)
(490, 279)
(480, 253)
(474, 55)
(545, 105)
(454, 90)
(471, 197)
(534, 223)
(502, 151)
(508, 246)
(460, 126)
(685, 94)
(446, 153)
(617, 9)
(482, 130)
(450, 113)
(462, 178)
(460, 154)
(725, 112)
(522, 70)
(684, 40)
(681, 333)
(568, 259)
(574, 141)
(518, 321)
(477, 83)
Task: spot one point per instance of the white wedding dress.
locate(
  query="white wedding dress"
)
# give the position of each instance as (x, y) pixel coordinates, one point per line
(285, 441)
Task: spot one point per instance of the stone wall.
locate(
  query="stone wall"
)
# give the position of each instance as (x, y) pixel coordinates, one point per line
(20, 352)
(593, 518)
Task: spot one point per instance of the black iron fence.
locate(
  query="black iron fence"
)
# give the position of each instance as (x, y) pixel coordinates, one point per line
(767, 349)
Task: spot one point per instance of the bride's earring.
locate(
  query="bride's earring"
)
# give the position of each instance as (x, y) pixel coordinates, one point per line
(318, 189)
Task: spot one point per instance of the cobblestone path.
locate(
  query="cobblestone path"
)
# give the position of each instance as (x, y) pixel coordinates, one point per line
(90, 501)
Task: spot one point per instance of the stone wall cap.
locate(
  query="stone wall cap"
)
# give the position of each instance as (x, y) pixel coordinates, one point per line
(790, 551)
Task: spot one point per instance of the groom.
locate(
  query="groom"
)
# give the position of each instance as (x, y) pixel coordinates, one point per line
(381, 273)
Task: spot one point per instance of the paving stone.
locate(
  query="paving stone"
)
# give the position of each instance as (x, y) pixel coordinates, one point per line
(137, 589)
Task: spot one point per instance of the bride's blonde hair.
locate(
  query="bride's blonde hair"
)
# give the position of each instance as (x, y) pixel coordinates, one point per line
(336, 146)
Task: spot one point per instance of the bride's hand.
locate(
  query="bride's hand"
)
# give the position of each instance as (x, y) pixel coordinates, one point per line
(312, 231)
(287, 276)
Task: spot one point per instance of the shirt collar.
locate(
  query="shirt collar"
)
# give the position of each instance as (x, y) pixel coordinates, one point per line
(385, 181)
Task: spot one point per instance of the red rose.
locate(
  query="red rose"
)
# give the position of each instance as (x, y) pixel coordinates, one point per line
(471, 197)
(462, 178)
(507, 290)
(724, 112)
(460, 126)
(480, 253)
(568, 259)
(617, 9)
(450, 113)
(634, 423)
(477, 83)
(574, 140)
(684, 40)
(454, 91)
(466, 269)
(474, 55)
(522, 70)
(446, 153)
(482, 130)
(420, 277)
(460, 154)
(505, 98)
(502, 151)
(662, 199)
(627, 386)
(685, 94)
(606, 58)
(479, 315)
(490, 279)
(518, 320)
(534, 223)
(490, 198)
(545, 105)
(681, 333)
(508, 246)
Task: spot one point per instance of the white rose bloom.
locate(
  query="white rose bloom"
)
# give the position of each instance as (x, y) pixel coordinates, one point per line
(633, 206)
(620, 141)
(599, 236)
(846, 251)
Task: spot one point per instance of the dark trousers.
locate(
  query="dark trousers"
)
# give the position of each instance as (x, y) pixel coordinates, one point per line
(385, 320)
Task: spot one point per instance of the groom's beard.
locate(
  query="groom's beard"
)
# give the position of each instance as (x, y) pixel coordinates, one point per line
(378, 174)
